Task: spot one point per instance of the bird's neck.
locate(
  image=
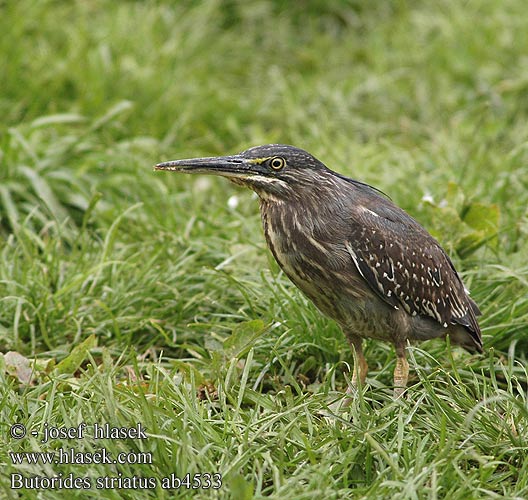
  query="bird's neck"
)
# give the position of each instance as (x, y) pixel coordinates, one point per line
(287, 226)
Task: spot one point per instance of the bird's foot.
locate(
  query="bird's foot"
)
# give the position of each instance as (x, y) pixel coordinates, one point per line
(398, 392)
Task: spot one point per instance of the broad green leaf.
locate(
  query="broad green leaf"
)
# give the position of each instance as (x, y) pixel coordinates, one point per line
(240, 487)
(72, 362)
(243, 337)
(483, 217)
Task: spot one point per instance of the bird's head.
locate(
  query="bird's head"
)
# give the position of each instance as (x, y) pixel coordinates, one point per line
(271, 170)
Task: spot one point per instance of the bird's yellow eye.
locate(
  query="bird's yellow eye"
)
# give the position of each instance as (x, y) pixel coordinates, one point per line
(277, 163)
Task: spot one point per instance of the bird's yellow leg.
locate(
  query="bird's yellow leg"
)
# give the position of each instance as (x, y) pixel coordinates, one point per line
(401, 372)
(360, 363)
(359, 371)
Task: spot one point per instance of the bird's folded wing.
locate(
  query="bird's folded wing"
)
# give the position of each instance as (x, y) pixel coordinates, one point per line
(408, 269)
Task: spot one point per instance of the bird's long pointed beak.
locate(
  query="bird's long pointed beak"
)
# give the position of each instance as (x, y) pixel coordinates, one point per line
(226, 166)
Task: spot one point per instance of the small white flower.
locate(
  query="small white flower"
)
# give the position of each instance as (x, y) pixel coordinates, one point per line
(232, 202)
(428, 198)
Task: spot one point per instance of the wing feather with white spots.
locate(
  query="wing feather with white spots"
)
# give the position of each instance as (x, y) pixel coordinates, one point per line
(408, 269)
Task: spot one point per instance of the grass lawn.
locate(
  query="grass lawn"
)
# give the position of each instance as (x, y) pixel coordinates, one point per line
(129, 296)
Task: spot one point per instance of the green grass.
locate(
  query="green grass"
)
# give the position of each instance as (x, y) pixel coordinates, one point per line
(200, 337)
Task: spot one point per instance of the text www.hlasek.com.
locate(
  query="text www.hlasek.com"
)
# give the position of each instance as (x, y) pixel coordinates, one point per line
(71, 456)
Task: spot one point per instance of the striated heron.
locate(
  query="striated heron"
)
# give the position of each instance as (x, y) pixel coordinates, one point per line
(359, 258)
